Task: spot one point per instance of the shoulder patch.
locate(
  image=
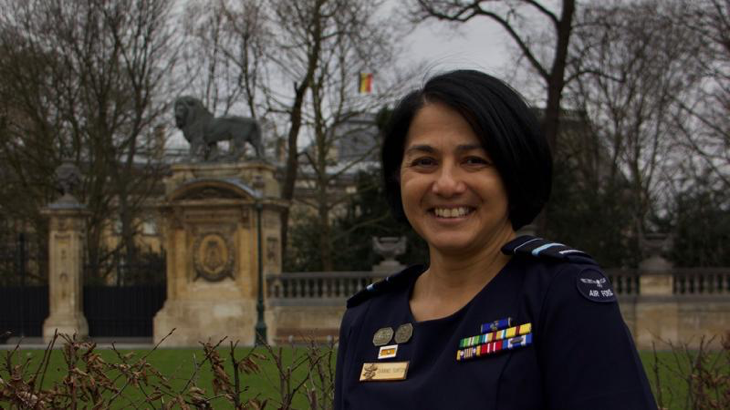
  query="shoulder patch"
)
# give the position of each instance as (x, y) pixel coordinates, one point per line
(385, 285)
(531, 246)
(595, 286)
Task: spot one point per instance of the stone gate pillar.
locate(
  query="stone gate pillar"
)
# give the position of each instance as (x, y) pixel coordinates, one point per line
(211, 241)
(67, 227)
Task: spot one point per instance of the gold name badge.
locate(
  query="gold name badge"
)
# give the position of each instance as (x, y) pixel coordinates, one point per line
(381, 372)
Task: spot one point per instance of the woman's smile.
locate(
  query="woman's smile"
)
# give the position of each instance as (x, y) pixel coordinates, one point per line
(452, 213)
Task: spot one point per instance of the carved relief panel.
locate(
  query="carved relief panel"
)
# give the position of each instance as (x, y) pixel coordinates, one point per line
(213, 256)
(213, 251)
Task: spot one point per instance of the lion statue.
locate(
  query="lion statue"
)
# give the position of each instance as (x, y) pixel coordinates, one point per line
(203, 131)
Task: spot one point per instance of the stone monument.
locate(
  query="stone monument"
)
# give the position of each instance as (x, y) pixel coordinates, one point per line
(65, 253)
(203, 132)
(212, 210)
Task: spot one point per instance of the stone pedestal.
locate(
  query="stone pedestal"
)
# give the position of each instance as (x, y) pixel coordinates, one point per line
(211, 237)
(65, 268)
(388, 267)
(657, 311)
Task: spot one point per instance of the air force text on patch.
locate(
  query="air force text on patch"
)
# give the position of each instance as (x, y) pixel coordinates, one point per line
(594, 286)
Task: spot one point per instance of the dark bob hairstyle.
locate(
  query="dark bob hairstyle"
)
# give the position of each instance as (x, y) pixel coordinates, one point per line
(503, 122)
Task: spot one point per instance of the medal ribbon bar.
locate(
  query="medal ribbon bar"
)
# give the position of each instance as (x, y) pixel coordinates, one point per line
(494, 336)
(493, 347)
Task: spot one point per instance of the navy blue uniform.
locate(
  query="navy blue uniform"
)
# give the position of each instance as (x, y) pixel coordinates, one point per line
(581, 354)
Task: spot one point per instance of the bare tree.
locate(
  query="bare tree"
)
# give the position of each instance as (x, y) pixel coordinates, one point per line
(512, 16)
(705, 119)
(88, 79)
(633, 64)
(225, 53)
(337, 111)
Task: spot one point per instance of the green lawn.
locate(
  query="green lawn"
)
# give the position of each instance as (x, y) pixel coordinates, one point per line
(673, 373)
(179, 366)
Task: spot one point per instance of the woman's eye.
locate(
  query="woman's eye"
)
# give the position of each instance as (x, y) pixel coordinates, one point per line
(476, 161)
(423, 162)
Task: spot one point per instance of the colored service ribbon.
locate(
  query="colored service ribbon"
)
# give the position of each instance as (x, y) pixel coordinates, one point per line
(494, 336)
(493, 347)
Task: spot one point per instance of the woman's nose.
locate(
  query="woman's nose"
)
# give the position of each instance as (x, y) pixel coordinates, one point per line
(448, 182)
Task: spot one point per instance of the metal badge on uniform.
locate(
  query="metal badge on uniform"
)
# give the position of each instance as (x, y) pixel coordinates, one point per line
(383, 371)
(594, 286)
(387, 352)
(403, 333)
(383, 336)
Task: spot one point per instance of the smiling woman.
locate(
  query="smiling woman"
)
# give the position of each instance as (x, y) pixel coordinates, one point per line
(493, 321)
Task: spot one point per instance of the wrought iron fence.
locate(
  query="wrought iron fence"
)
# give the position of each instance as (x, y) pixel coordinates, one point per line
(23, 310)
(23, 260)
(122, 311)
(148, 269)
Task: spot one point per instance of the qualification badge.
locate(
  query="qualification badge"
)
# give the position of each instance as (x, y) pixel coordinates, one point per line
(403, 333)
(383, 336)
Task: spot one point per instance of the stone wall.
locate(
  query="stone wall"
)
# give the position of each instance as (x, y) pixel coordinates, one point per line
(309, 306)
(659, 307)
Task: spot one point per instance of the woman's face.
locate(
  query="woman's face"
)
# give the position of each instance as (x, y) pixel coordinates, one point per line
(452, 194)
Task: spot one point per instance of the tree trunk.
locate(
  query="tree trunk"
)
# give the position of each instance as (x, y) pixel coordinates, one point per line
(292, 161)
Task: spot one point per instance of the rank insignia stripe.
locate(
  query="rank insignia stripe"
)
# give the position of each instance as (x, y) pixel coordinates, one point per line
(387, 352)
(490, 348)
(494, 336)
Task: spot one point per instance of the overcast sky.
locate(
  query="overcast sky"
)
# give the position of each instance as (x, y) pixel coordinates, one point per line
(479, 44)
(476, 44)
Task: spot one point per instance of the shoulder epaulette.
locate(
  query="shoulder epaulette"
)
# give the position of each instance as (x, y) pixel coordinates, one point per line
(540, 248)
(384, 285)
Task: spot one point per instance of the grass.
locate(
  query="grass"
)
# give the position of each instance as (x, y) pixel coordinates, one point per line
(673, 370)
(179, 366)
(674, 389)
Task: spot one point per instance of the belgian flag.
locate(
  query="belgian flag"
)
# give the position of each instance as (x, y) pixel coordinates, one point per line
(365, 83)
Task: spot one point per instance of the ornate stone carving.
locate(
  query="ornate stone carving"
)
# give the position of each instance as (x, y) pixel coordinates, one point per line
(68, 179)
(213, 256)
(246, 217)
(272, 250)
(389, 246)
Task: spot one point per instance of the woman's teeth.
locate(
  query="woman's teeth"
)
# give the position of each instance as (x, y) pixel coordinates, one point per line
(451, 212)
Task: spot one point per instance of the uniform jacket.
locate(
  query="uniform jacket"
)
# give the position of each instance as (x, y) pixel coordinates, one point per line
(579, 353)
